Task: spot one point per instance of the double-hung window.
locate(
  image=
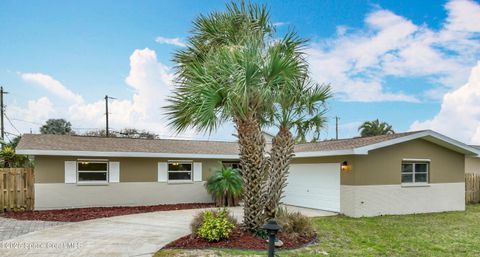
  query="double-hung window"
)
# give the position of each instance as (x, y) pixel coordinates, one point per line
(415, 171)
(92, 171)
(180, 171)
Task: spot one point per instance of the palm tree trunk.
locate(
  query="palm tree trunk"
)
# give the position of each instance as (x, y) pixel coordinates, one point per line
(281, 155)
(254, 166)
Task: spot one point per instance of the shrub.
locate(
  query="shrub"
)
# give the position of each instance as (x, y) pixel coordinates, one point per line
(198, 220)
(295, 224)
(213, 225)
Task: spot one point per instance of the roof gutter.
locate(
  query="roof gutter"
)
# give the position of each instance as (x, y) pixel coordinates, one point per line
(171, 155)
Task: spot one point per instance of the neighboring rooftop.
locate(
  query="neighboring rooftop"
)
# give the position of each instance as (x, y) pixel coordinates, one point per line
(35, 144)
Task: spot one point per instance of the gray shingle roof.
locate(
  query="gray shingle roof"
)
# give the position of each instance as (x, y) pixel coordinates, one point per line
(101, 144)
(346, 144)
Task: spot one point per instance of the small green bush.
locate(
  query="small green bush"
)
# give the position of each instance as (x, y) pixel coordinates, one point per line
(295, 224)
(215, 225)
(198, 220)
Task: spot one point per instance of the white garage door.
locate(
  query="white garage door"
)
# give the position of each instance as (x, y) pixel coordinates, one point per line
(314, 186)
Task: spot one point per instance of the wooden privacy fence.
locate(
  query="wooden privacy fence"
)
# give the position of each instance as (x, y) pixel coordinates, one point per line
(472, 188)
(16, 189)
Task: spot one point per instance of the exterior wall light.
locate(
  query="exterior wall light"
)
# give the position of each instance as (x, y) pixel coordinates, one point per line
(345, 167)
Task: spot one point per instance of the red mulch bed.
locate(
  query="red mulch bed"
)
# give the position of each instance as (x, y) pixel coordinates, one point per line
(239, 239)
(80, 214)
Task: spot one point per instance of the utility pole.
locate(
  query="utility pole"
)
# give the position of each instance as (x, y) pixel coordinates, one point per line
(336, 127)
(2, 107)
(107, 132)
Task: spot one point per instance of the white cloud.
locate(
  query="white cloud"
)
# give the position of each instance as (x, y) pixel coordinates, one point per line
(36, 111)
(52, 85)
(150, 80)
(170, 41)
(459, 115)
(462, 14)
(279, 24)
(357, 62)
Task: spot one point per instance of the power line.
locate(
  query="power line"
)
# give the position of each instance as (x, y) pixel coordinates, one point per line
(6, 134)
(12, 134)
(31, 122)
(12, 124)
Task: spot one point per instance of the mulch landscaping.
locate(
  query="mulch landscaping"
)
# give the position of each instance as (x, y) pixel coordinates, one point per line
(80, 214)
(239, 239)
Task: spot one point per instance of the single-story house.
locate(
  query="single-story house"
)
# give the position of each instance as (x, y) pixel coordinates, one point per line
(403, 173)
(472, 163)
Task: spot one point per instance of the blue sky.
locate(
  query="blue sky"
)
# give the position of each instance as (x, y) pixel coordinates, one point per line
(410, 63)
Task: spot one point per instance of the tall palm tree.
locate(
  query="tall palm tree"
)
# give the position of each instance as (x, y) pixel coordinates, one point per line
(230, 71)
(226, 186)
(300, 108)
(375, 128)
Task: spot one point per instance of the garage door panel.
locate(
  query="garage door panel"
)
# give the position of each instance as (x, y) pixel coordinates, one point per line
(314, 186)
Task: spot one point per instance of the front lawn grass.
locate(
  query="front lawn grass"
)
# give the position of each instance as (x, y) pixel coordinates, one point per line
(436, 234)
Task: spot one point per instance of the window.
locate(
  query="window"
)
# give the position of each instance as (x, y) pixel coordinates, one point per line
(231, 164)
(180, 171)
(92, 171)
(415, 172)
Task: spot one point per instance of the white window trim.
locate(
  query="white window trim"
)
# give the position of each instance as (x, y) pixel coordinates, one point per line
(180, 181)
(413, 162)
(93, 171)
(417, 184)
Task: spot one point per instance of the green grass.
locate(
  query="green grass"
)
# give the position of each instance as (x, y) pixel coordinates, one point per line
(438, 234)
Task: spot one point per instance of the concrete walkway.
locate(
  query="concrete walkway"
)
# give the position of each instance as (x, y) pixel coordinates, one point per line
(11, 228)
(130, 235)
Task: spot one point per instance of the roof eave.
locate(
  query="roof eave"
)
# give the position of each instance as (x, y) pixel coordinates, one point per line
(428, 135)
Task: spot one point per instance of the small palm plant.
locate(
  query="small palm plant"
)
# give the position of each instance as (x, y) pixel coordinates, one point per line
(9, 159)
(226, 186)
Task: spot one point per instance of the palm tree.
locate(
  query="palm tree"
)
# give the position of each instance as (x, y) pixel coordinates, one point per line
(300, 108)
(234, 69)
(375, 128)
(225, 74)
(226, 186)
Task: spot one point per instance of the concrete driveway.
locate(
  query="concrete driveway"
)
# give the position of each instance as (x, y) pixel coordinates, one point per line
(130, 235)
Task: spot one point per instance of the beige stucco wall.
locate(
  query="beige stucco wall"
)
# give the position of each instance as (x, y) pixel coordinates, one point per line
(383, 166)
(374, 200)
(472, 165)
(51, 169)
